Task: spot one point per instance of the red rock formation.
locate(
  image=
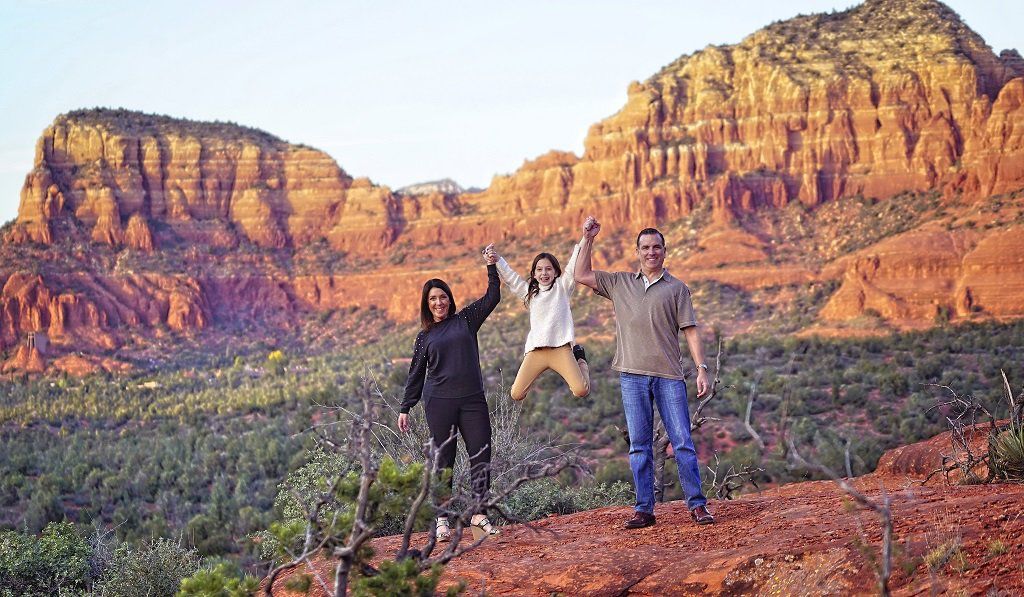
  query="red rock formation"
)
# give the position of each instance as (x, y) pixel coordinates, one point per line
(923, 274)
(138, 235)
(25, 360)
(888, 97)
(108, 165)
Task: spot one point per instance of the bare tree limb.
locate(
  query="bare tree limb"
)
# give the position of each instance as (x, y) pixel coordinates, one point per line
(746, 420)
(697, 420)
(732, 480)
(883, 510)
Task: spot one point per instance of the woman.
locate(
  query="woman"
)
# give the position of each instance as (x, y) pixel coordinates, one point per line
(550, 342)
(445, 374)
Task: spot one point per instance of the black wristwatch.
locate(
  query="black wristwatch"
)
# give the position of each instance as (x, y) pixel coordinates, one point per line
(703, 366)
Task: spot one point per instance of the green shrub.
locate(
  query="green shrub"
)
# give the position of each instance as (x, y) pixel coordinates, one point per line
(1007, 454)
(302, 489)
(541, 498)
(222, 580)
(402, 579)
(155, 568)
(56, 562)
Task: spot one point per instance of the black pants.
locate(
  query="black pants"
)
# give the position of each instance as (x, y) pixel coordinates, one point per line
(471, 418)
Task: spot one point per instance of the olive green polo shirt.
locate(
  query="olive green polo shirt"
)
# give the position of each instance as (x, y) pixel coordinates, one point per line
(647, 322)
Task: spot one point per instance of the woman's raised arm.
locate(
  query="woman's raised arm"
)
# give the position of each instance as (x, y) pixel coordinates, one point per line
(478, 311)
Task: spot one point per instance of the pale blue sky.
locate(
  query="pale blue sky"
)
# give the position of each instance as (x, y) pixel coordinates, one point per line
(401, 92)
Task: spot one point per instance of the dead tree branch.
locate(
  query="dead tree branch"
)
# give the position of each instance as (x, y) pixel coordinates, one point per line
(883, 510)
(962, 414)
(733, 480)
(697, 420)
(746, 419)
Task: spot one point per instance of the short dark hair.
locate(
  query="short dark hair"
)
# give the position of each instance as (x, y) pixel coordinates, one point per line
(650, 231)
(426, 317)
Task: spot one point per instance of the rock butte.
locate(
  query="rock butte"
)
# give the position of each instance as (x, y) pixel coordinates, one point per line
(886, 98)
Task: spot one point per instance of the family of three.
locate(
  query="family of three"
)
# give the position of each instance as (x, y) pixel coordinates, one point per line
(651, 307)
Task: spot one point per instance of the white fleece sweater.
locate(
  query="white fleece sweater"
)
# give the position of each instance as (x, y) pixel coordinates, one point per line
(550, 316)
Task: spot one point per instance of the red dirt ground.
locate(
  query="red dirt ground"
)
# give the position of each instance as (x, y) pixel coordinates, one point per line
(797, 539)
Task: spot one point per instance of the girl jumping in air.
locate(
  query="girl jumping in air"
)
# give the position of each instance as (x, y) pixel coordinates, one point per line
(551, 341)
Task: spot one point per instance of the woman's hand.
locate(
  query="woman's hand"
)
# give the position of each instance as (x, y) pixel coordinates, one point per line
(490, 255)
(403, 422)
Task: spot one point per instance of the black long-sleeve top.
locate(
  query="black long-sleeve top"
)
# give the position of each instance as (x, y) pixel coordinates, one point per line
(446, 358)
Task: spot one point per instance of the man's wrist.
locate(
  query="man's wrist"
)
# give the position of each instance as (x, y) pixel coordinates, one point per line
(702, 366)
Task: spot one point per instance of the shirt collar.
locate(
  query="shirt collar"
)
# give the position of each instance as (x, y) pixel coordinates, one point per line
(640, 276)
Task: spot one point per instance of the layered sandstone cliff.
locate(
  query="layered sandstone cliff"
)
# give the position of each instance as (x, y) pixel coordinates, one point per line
(885, 98)
(106, 168)
(932, 274)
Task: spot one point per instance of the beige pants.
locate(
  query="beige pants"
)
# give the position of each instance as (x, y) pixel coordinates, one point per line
(558, 359)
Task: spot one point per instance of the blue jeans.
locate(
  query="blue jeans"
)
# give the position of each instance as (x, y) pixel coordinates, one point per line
(639, 394)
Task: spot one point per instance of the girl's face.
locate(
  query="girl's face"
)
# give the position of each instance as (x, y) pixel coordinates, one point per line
(544, 272)
(437, 302)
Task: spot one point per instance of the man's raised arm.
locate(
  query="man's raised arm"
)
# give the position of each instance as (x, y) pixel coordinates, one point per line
(584, 272)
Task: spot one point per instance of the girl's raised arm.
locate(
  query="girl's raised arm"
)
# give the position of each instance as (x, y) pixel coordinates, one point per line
(514, 281)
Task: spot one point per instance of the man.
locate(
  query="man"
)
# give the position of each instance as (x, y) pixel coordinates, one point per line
(651, 306)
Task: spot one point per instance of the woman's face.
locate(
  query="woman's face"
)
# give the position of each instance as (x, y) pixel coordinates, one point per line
(437, 302)
(544, 272)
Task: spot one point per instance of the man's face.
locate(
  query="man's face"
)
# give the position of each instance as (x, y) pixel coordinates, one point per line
(651, 252)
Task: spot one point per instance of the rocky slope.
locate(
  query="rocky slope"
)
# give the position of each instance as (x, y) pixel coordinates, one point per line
(797, 539)
(131, 224)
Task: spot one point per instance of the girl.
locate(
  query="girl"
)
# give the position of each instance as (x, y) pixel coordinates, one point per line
(550, 343)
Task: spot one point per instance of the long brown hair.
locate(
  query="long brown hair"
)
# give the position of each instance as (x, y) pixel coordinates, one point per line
(533, 289)
(426, 317)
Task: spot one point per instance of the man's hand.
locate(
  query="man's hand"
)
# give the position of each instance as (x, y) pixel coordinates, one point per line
(490, 255)
(584, 272)
(702, 382)
(403, 422)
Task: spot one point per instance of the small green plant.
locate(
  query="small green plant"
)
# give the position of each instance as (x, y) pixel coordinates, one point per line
(402, 579)
(154, 568)
(1007, 454)
(997, 547)
(960, 562)
(937, 556)
(222, 580)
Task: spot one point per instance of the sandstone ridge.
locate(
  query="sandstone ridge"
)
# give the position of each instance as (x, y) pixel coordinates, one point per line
(885, 99)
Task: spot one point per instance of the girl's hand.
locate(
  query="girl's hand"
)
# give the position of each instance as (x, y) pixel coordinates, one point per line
(403, 422)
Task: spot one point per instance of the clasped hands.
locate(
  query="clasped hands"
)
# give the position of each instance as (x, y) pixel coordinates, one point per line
(490, 255)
